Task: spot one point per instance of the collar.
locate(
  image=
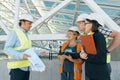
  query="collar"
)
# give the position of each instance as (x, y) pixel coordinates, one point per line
(23, 30)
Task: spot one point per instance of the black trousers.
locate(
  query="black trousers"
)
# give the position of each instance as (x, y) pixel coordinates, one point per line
(87, 78)
(109, 69)
(67, 76)
(18, 74)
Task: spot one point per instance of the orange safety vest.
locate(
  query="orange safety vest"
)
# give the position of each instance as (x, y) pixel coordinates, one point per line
(77, 67)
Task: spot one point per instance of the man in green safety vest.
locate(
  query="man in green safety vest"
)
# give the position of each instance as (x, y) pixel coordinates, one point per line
(17, 42)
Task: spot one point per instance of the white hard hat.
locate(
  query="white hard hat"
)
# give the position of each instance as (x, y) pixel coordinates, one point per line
(82, 17)
(73, 28)
(97, 17)
(27, 17)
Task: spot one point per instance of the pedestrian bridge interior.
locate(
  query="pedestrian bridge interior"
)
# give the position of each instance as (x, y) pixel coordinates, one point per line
(52, 17)
(56, 23)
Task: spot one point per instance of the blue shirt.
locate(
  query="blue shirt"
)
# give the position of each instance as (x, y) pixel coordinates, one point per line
(12, 42)
(68, 66)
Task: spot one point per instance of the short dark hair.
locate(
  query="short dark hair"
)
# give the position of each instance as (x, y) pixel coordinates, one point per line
(21, 21)
(95, 25)
(75, 33)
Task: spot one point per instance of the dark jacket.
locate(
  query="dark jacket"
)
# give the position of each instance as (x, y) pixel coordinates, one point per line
(96, 66)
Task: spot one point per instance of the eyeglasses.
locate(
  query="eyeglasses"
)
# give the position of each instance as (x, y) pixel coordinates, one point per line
(86, 23)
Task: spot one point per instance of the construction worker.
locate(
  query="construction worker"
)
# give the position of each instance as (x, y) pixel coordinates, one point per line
(70, 63)
(95, 65)
(106, 32)
(17, 42)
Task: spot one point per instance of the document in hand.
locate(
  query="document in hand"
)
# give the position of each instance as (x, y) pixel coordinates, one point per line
(88, 44)
(36, 63)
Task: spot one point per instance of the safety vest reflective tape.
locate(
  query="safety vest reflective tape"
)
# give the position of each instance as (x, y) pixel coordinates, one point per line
(108, 60)
(77, 70)
(77, 67)
(18, 64)
(25, 43)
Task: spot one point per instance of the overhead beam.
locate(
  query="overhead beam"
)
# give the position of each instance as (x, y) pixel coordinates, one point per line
(76, 11)
(51, 13)
(68, 12)
(41, 37)
(3, 17)
(108, 21)
(4, 27)
(39, 9)
(16, 13)
(7, 6)
(13, 6)
(27, 7)
(101, 5)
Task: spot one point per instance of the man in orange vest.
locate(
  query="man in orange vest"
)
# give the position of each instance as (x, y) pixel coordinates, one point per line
(70, 62)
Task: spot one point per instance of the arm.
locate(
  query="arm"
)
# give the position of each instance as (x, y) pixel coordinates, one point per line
(113, 34)
(100, 44)
(115, 42)
(78, 61)
(10, 44)
(41, 53)
(60, 56)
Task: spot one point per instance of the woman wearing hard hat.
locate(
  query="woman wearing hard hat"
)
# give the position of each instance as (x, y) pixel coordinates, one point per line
(105, 31)
(70, 62)
(95, 65)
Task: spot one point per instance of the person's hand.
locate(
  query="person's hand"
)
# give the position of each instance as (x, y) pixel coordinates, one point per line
(83, 55)
(62, 58)
(25, 56)
(70, 58)
(43, 54)
(65, 56)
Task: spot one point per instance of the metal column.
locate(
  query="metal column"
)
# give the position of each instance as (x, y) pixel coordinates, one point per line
(16, 13)
(4, 27)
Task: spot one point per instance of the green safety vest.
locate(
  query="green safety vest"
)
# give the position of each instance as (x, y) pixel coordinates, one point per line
(25, 43)
(108, 55)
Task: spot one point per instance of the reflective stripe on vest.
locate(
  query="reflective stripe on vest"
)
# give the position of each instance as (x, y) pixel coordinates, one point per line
(77, 67)
(25, 43)
(77, 70)
(108, 60)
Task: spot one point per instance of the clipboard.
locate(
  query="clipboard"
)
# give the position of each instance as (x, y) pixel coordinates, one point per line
(88, 44)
